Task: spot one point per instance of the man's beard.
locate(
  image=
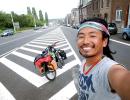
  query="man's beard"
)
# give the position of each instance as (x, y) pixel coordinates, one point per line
(86, 56)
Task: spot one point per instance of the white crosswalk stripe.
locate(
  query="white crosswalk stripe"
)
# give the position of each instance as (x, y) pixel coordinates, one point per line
(64, 94)
(35, 79)
(27, 57)
(31, 50)
(35, 46)
(5, 94)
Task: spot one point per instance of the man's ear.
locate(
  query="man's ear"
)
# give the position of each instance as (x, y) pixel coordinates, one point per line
(105, 41)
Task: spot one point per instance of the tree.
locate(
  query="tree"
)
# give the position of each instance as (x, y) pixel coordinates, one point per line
(46, 18)
(34, 13)
(29, 11)
(41, 16)
(26, 20)
(5, 20)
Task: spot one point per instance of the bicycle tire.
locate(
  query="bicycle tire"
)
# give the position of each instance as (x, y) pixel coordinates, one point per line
(61, 63)
(50, 73)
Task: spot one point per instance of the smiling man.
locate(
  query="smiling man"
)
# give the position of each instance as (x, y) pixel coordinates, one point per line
(100, 78)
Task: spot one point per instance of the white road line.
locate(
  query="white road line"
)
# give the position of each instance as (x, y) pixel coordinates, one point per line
(27, 57)
(5, 94)
(31, 77)
(120, 42)
(31, 50)
(69, 54)
(49, 39)
(37, 46)
(40, 43)
(78, 60)
(60, 42)
(67, 67)
(61, 45)
(67, 48)
(26, 74)
(30, 58)
(66, 93)
(53, 33)
(39, 52)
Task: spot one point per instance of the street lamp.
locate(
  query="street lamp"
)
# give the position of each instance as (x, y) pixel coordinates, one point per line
(13, 22)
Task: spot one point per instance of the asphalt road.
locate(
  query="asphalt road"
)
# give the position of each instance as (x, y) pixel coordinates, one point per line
(20, 81)
(9, 43)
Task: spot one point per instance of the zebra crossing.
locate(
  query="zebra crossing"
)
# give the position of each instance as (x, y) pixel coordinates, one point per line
(27, 53)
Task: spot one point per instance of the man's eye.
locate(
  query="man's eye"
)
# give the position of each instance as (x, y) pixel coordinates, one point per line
(93, 36)
(80, 36)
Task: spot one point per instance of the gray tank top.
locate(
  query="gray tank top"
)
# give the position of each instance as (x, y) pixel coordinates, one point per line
(94, 85)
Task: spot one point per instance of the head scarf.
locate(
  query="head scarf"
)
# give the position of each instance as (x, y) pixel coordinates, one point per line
(95, 25)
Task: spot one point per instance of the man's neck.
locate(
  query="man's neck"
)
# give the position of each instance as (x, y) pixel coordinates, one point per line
(93, 60)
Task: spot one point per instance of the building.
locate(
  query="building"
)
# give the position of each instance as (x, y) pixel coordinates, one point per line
(83, 9)
(117, 11)
(120, 13)
(105, 9)
(74, 17)
(68, 20)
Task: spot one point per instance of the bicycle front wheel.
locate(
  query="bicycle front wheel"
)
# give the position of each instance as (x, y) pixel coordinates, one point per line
(50, 73)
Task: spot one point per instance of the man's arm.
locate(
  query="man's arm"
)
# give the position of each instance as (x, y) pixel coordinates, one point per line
(119, 79)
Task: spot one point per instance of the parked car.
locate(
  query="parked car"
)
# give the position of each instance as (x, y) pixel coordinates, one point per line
(36, 28)
(75, 26)
(126, 33)
(112, 28)
(7, 32)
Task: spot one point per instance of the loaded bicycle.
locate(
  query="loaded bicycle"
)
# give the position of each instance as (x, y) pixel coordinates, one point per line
(50, 59)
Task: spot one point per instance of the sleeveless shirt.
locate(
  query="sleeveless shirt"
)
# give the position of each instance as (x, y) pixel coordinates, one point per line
(95, 85)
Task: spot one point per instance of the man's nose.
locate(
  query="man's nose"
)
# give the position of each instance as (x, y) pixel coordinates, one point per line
(86, 40)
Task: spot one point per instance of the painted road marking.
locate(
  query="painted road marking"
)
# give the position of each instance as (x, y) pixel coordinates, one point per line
(120, 42)
(77, 58)
(39, 52)
(31, 50)
(66, 93)
(31, 77)
(5, 94)
(29, 58)
(37, 46)
(46, 41)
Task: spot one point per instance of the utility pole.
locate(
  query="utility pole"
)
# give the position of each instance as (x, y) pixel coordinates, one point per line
(13, 22)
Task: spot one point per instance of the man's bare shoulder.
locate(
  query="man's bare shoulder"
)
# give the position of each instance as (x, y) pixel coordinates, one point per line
(119, 79)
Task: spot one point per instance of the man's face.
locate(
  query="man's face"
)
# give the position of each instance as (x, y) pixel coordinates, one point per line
(90, 42)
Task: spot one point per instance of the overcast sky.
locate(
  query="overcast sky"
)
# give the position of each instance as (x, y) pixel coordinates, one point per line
(54, 8)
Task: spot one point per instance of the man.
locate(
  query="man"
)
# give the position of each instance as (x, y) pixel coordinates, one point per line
(101, 78)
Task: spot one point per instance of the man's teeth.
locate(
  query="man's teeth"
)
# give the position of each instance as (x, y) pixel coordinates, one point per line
(87, 48)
